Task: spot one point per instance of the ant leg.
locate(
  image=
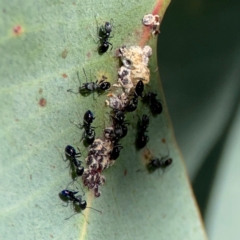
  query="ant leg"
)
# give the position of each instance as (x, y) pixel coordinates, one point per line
(83, 136)
(71, 216)
(71, 91)
(79, 78)
(75, 214)
(111, 45)
(65, 205)
(61, 154)
(80, 126)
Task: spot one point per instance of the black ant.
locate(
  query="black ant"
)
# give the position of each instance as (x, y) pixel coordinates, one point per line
(77, 200)
(154, 104)
(133, 103)
(104, 34)
(71, 153)
(88, 87)
(116, 132)
(143, 123)
(156, 163)
(142, 138)
(114, 154)
(89, 135)
(89, 132)
(88, 118)
(118, 117)
(139, 88)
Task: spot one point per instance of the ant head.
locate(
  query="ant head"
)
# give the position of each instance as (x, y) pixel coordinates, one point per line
(80, 171)
(145, 119)
(105, 85)
(124, 131)
(70, 151)
(157, 107)
(117, 148)
(68, 193)
(139, 88)
(88, 117)
(82, 204)
(120, 116)
(168, 162)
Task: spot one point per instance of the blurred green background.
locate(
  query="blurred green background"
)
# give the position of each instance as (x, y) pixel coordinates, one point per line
(199, 63)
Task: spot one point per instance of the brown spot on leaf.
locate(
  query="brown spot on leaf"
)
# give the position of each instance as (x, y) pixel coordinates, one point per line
(40, 90)
(51, 236)
(74, 3)
(17, 120)
(147, 155)
(17, 30)
(88, 54)
(42, 102)
(64, 53)
(64, 75)
(30, 176)
(125, 172)
(163, 140)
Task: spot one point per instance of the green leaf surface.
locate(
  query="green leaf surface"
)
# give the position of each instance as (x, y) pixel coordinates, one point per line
(42, 46)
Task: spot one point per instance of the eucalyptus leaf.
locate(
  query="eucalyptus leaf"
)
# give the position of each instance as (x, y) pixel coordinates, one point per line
(43, 45)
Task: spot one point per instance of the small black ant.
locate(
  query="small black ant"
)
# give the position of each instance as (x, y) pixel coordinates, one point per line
(119, 117)
(156, 163)
(114, 154)
(154, 104)
(77, 200)
(132, 104)
(116, 132)
(121, 130)
(88, 87)
(139, 88)
(88, 118)
(73, 155)
(143, 123)
(142, 138)
(89, 132)
(103, 36)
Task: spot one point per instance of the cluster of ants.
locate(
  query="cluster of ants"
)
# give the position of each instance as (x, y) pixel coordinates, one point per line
(103, 153)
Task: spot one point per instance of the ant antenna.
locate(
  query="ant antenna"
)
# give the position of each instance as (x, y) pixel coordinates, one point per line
(80, 126)
(95, 209)
(85, 74)
(75, 214)
(71, 91)
(79, 78)
(72, 182)
(71, 216)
